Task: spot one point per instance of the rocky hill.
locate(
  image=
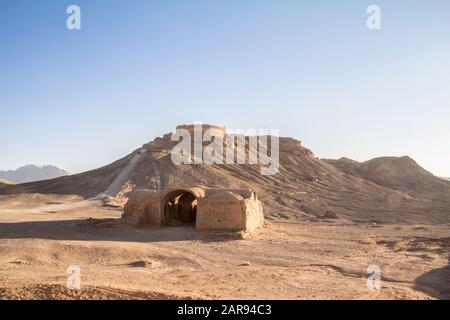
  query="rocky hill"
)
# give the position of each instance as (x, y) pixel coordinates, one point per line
(305, 187)
(398, 173)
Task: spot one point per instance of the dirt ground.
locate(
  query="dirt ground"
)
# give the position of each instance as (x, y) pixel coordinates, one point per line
(42, 235)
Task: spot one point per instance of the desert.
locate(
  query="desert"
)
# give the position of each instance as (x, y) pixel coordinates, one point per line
(225, 155)
(326, 222)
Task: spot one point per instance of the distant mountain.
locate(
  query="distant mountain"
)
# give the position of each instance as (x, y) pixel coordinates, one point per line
(31, 173)
(398, 173)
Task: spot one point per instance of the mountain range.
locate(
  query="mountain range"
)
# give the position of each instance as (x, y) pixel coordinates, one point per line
(31, 173)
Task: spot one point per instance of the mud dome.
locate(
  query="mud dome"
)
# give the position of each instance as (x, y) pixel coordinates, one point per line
(204, 208)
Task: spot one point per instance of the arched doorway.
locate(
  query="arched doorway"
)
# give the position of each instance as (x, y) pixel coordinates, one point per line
(179, 207)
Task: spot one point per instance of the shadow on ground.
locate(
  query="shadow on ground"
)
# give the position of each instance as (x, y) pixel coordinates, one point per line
(107, 230)
(435, 282)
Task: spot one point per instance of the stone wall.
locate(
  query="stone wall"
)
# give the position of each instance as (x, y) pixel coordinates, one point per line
(143, 208)
(254, 216)
(217, 130)
(221, 209)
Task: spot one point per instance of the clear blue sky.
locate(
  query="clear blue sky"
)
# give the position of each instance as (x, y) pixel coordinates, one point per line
(81, 99)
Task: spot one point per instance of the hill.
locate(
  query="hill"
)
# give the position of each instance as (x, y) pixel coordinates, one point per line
(304, 188)
(31, 173)
(399, 173)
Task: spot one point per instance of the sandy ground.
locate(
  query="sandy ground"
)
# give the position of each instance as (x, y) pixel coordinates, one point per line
(41, 236)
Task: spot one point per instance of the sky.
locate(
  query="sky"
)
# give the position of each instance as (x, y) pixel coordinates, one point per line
(80, 99)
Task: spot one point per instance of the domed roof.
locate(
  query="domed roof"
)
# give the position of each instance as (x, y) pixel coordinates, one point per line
(226, 195)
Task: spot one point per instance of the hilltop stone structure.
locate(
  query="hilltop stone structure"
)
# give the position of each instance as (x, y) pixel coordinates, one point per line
(204, 208)
(215, 130)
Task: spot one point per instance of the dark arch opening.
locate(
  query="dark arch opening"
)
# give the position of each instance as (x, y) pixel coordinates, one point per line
(179, 207)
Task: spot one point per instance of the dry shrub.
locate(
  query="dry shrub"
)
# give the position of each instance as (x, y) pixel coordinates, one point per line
(369, 241)
(400, 246)
(329, 214)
